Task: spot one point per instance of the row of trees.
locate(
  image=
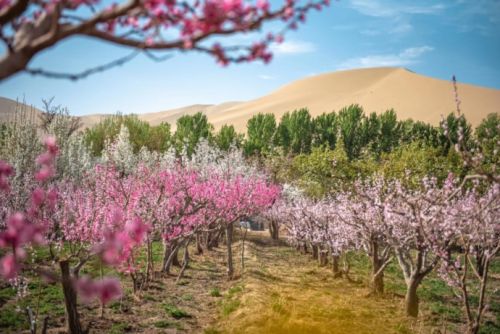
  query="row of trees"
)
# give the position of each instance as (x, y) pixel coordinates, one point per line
(190, 130)
(296, 133)
(115, 207)
(434, 227)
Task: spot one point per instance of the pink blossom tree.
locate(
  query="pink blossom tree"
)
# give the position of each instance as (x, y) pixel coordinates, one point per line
(363, 210)
(468, 241)
(414, 216)
(238, 198)
(30, 27)
(37, 226)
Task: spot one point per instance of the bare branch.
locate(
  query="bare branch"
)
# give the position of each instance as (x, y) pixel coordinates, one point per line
(86, 73)
(11, 12)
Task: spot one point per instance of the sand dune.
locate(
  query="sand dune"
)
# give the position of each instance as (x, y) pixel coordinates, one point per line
(376, 89)
(411, 95)
(9, 109)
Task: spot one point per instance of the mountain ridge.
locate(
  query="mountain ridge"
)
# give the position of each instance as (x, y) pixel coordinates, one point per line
(410, 94)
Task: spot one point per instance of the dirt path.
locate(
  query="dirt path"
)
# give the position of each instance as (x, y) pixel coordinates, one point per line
(283, 291)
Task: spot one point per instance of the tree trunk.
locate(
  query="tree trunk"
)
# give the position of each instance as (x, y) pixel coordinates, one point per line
(274, 230)
(167, 249)
(214, 239)
(199, 248)
(243, 251)
(185, 262)
(174, 249)
(377, 281)
(175, 257)
(206, 239)
(229, 236)
(335, 266)
(70, 300)
(314, 252)
(150, 268)
(411, 298)
(322, 257)
(377, 277)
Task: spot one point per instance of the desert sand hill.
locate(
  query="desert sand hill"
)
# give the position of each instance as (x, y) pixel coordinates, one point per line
(411, 95)
(376, 89)
(9, 109)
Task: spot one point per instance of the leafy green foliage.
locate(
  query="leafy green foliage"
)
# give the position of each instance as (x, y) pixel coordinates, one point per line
(488, 135)
(455, 126)
(260, 132)
(155, 138)
(176, 312)
(413, 161)
(215, 292)
(294, 134)
(228, 136)
(190, 130)
(351, 124)
(324, 130)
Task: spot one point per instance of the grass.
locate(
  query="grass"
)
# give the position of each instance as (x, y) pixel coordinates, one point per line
(215, 292)
(285, 292)
(281, 291)
(168, 324)
(229, 306)
(119, 328)
(163, 303)
(176, 312)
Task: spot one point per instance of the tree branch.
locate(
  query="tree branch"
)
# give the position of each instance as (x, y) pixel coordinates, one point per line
(10, 13)
(86, 73)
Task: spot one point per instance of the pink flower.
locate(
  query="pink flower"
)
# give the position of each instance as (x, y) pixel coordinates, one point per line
(263, 5)
(85, 287)
(44, 173)
(105, 290)
(9, 266)
(51, 144)
(45, 159)
(6, 170)
(108, 289)
(137, 230)
(38, 196)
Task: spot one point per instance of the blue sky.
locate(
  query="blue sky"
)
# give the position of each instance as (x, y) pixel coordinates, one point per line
(434, 38)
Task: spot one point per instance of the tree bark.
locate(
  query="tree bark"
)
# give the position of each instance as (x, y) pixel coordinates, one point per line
(243, 251)
(175, 257)
(70, 300)
(150, 268)
(411, 298)
(199, 248)
(377, 277)
(185, 262)
(274, 230)
(167, 249)
(322, 257)
(172, 252)
(335, 266)
(314, 252)
(229, 237)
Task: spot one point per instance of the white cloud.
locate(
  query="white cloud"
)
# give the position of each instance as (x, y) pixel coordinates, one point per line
(406, 57)
(266, 77)
(401, 28)
(377, 9)
(293, 47)
(395, 28)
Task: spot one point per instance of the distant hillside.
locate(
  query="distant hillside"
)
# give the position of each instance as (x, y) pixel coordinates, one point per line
(376, 89)
(8, 109)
